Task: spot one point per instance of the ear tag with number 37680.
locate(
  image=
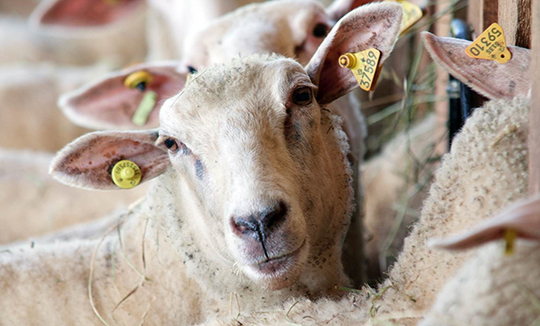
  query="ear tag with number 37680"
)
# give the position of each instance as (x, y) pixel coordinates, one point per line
(364, 66)
(490, 45)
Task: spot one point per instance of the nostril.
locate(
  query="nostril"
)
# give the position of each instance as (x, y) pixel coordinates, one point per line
(275, 216)
(242, 226)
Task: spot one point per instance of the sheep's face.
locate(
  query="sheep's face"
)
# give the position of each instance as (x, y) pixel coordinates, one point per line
(291, 28)
(249, 140)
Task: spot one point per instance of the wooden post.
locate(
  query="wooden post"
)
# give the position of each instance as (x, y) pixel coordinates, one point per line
(515, 19)
(534, 110)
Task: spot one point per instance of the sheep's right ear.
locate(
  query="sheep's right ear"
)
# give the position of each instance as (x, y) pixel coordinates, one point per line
(109, 104)
(489, 78)
(372, 26)
(87, 162)
(522, 217)
(83, 13)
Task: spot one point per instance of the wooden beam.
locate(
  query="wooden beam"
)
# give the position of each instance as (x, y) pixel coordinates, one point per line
(515, 19)
(534, 110)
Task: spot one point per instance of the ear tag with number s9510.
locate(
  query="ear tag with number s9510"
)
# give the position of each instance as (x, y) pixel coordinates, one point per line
(490, 45)
(364, 65)
(126, 174)
(411, 14)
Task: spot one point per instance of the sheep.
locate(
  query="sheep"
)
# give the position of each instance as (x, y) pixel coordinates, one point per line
(261, 189)
(33, 203)
(485, 171)
(96, 105)
(493, 288)
(400, 175)
(119, 44)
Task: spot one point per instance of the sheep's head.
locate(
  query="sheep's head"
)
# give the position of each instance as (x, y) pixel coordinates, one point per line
(253, 142)
(263, 160)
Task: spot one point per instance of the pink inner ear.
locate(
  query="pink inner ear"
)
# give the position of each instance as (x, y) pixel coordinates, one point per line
(87, 13)
(489, 78)
(110, 104)
(90, 164)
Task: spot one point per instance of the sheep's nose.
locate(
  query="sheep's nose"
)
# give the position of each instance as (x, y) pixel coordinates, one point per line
(261, 223)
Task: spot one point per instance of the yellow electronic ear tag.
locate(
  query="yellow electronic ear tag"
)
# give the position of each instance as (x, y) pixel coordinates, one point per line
(126, 174)
(364, 65)
(490, 45)
(509, 237)
(411, 14)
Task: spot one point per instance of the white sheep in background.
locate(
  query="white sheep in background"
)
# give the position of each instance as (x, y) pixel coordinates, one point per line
(34, 204)
(119, 44)
(485, 171)
(396, 180)
(493, 288)
(203, 235)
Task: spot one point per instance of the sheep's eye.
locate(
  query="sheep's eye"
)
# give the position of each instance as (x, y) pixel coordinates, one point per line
(192, 70)
(320, 30)
(171, 144)
(302, 96)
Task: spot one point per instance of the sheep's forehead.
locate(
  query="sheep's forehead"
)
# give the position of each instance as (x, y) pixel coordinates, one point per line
(258, 84)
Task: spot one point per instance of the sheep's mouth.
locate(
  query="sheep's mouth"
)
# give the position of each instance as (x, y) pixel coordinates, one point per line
(278, 265)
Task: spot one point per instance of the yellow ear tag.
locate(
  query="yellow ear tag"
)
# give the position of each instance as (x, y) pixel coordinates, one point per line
(126, 174)
(145, 108)
(364, 66)
(411, 14)
(490, 45)
(138, 79)
(509, 238)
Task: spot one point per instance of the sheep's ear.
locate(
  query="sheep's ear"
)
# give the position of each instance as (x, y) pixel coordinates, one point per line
(373, 26)
(83, 13)
(87, 162)
(489, 78)
(340, 8)
(110, 104)
(522, 217)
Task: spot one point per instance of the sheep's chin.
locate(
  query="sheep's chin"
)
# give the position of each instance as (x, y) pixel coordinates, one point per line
(279, 273)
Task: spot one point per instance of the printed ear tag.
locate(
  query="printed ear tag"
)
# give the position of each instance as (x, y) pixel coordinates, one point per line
(145, 108)
(411, 14)
(509, 239)
(364, 65)
(490, 45)
(126, 174)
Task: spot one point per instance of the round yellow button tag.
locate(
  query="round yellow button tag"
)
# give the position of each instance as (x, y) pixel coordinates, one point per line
(126, 174)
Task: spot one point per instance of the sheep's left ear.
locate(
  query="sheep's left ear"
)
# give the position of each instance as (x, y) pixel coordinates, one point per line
(522, 217)
(83, 13)
(87, 162)
(372, 26)
(109, 104)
